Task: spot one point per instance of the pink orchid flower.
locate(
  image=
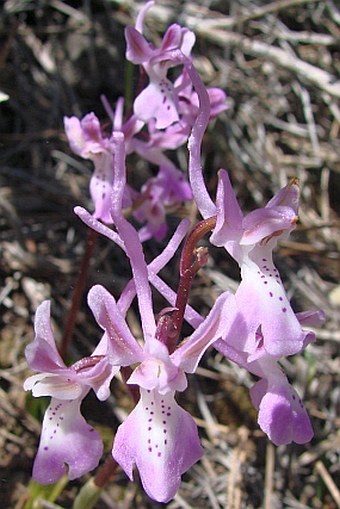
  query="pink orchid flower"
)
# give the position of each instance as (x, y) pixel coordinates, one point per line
(68, 444)
(158, 100)
(261, 298)
(87, 141)
(159, 437)
(282, 414)
(168, 190)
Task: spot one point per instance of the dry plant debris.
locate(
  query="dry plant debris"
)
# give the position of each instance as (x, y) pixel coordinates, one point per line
(279, 63)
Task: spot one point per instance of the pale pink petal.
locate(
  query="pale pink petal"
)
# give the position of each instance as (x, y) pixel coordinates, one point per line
(138, 50)
(123, 349)
(42, 353)
(141, 15)
(282, 415)
(171, 39)
(67, 445)
(263, 224)
(55, 385)
(228, 229)
(158, 371)
(263, 303)
(189, 353)
(161, 439)
(188, 41)
(288, 196)
(157, 101)
(101, 186)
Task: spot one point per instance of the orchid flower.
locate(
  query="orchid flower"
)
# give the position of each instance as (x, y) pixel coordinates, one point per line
(261, 296)
(176, 134)
(158, 100)
(165, 191)
(66, 439)
(86, 140)
(282, 414)
(250, 240)
(159, 437)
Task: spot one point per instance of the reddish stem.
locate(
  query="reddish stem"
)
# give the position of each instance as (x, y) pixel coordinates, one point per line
(105, 472)
(192, 259)
(78, 292)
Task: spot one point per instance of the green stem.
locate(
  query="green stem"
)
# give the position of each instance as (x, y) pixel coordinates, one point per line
(87, 496)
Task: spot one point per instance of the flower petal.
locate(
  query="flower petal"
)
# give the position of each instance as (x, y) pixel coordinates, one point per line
(138, 50)
(262, 300)
(123, 349)
(67, 445)
(282, 415)
(55, 385)
(264, 223)
(189, 353)
(228, 229)
(158, 100)
(288, 196)
(101, 186)
(161, 439)
(42, 354)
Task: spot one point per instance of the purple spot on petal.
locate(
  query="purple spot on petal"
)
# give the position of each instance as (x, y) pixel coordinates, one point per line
(159, 454)
(281, 299)
(150, 449)
(271, 294)
(284, 310)
(45, 448)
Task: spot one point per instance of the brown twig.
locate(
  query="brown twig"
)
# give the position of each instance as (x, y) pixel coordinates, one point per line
(78, 292)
